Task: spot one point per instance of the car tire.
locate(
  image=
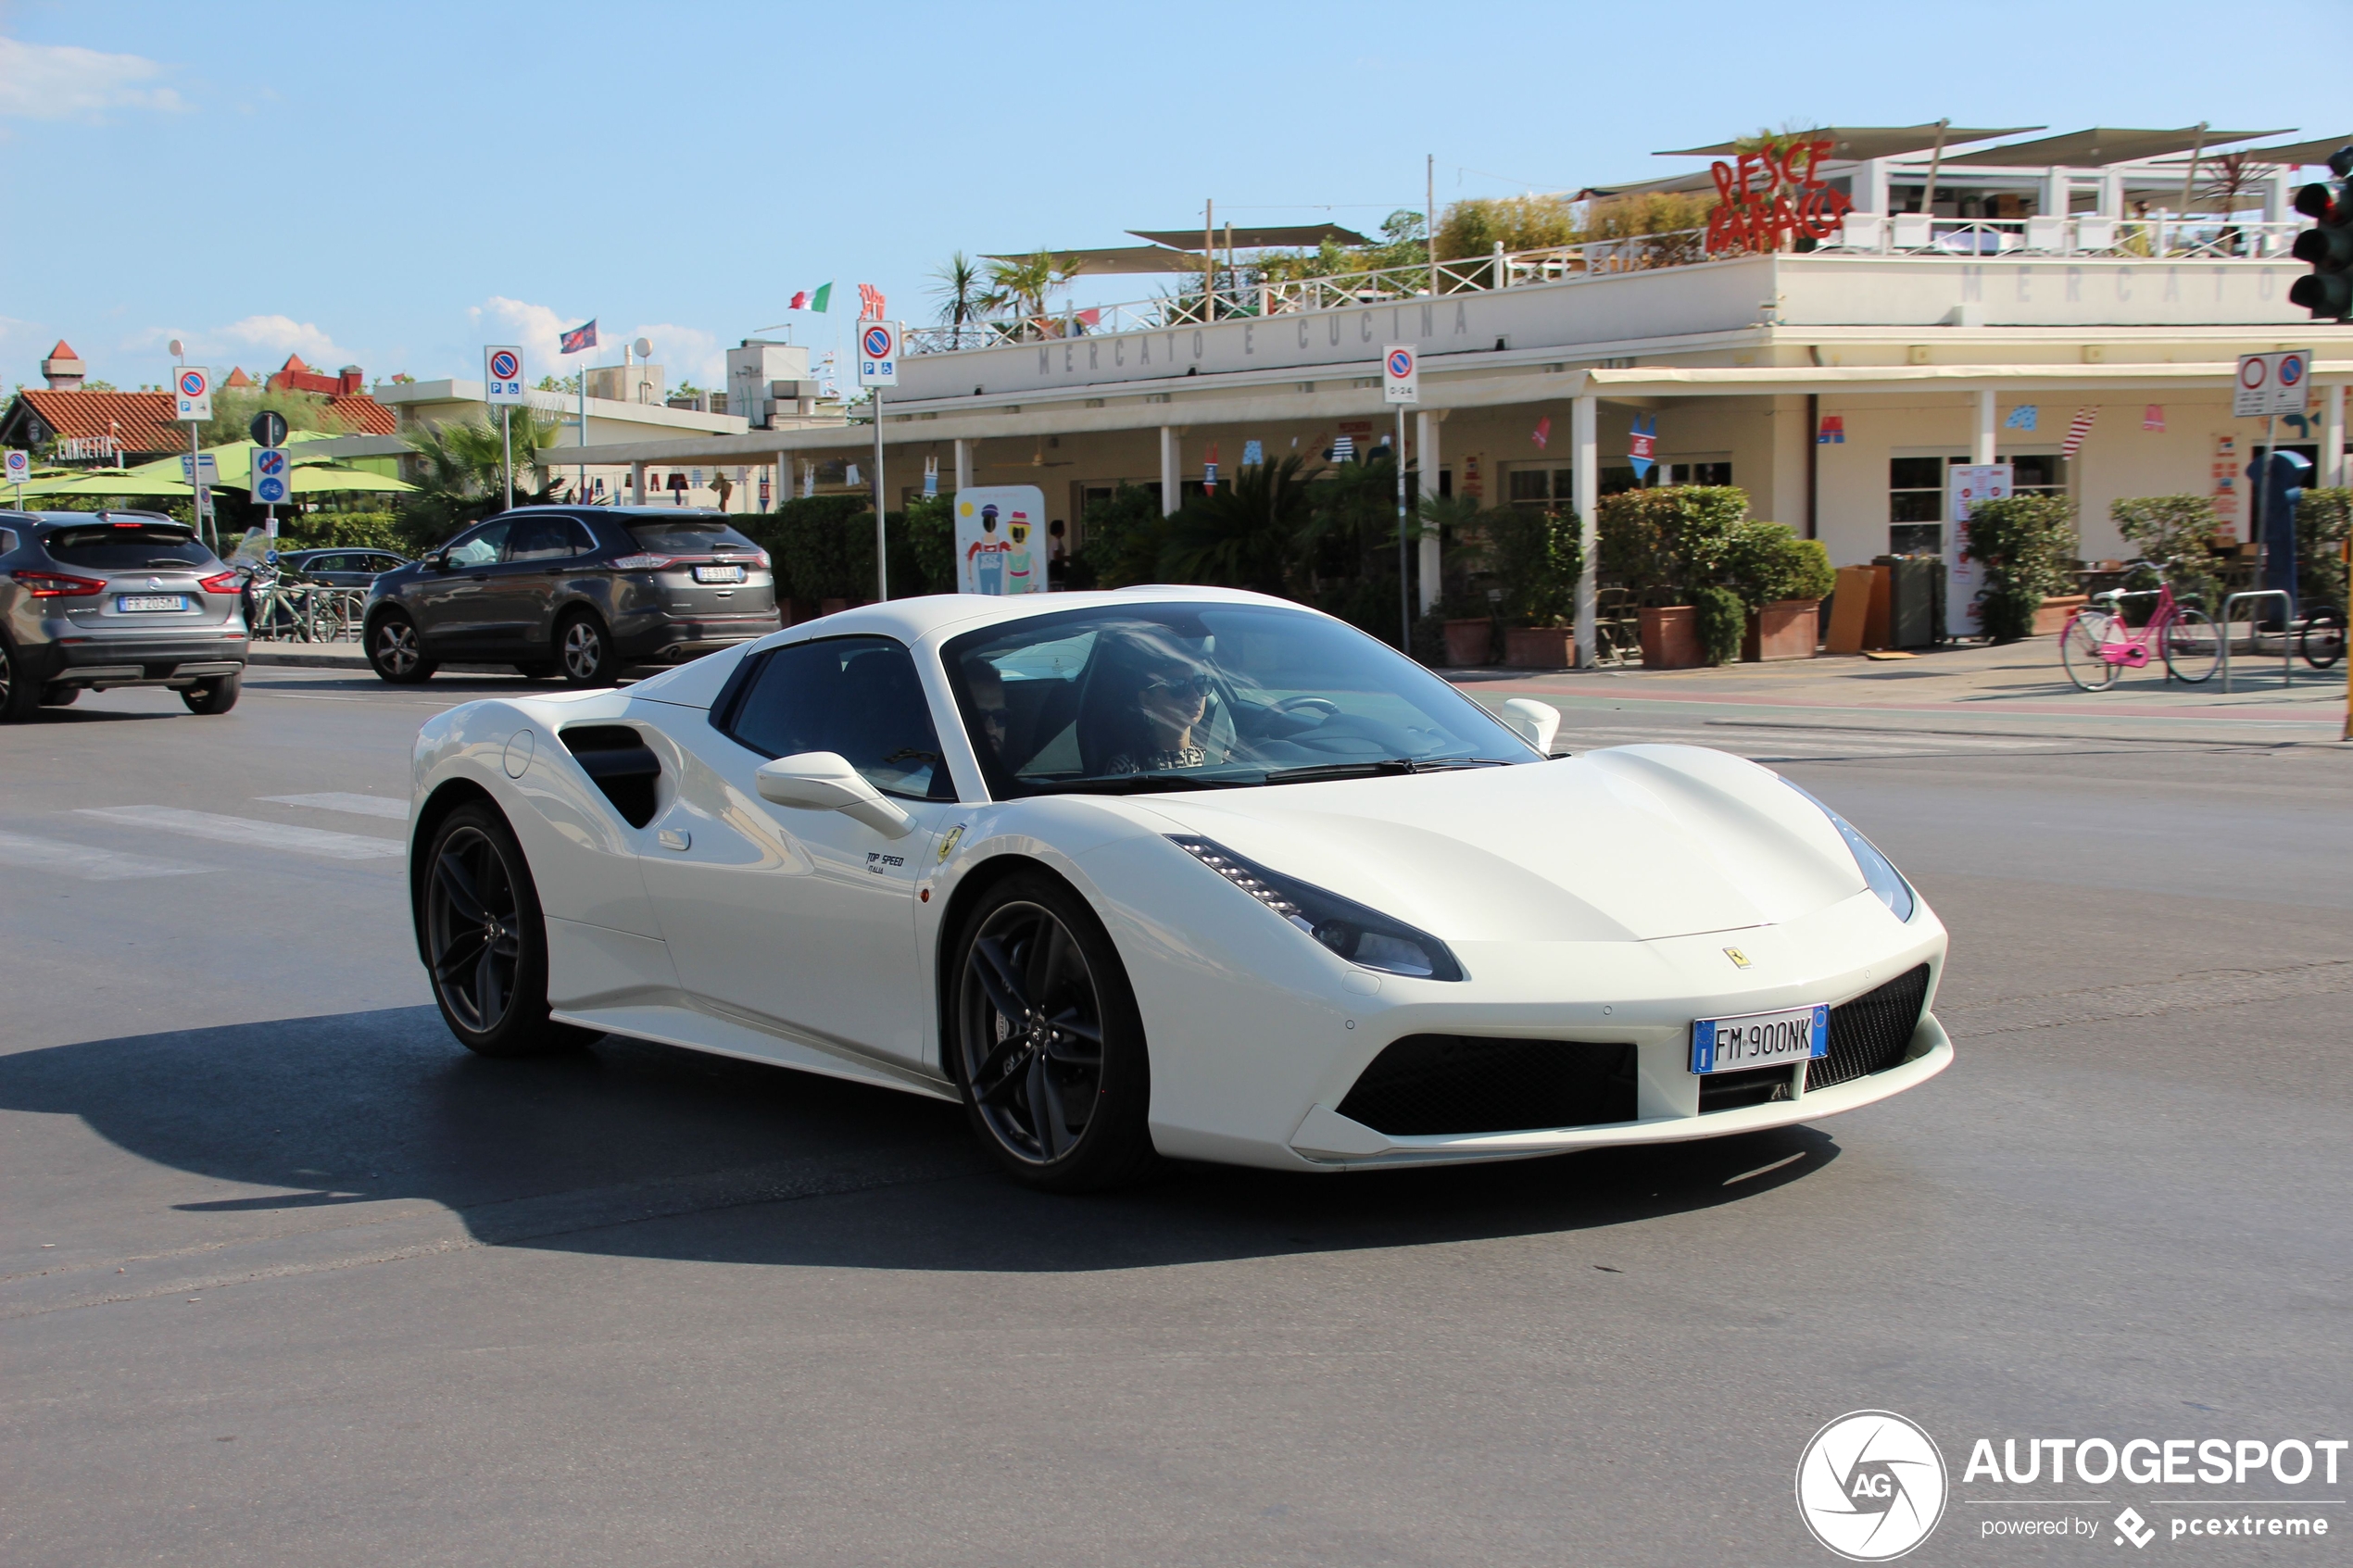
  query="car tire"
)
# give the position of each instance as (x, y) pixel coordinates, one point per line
(216, 696)
(396, 652)
(583, 651)
(19, 692)
(485, 940)
(537, 672)
(1058, 1111)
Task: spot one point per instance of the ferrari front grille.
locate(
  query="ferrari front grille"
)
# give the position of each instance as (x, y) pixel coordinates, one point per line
(1872, 1033)
(1445, 1084)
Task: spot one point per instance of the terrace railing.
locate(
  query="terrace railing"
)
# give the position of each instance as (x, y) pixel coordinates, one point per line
(2156, 236)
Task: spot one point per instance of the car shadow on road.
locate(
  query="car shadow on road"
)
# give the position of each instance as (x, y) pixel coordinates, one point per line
(643, 1150)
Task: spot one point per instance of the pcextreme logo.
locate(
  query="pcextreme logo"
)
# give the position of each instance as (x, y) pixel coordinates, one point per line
(1871, 1485)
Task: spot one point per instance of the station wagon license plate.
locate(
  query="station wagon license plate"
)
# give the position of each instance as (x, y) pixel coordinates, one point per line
(134, 602)
(719, 575)
(1760, 1039)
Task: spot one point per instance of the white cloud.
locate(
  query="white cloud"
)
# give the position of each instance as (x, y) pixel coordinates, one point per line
(60, 81)
(261, 343)
(684, 353)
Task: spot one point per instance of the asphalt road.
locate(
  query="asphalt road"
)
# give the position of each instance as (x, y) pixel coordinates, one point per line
(287, 1277)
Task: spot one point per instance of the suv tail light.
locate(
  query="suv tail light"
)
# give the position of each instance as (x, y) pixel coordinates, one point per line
(640, 564)
(58, 584)
(219, 583)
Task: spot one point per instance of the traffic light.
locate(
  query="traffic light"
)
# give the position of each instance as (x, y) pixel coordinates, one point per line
(2328, 293)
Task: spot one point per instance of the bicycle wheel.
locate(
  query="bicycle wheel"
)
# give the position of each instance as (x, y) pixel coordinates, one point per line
(2192, 647)
(2080, 647)
(2322, 640)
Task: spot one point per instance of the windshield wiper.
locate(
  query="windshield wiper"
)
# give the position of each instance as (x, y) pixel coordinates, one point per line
(1387, 766)
(1138, 783)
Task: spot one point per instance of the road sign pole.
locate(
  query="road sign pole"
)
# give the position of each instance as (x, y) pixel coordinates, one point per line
(195, 488)
(1404, 593)
(506, 451)
(882, 561)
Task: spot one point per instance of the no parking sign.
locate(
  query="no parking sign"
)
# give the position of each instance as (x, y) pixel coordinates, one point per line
(192, 394)
(877, 353)
(1400, 374)
(19, 466)
(503, 374)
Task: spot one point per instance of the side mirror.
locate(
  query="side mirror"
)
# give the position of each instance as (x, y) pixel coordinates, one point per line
(435, 560)
(824, 781)
(1535, 722)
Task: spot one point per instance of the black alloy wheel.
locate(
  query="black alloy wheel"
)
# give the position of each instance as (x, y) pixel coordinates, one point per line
(395, 651)
(216, 695)
(19, 692)
(485, 940)
(1046, 1040)
(584, 654)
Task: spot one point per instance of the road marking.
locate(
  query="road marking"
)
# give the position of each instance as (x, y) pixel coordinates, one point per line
(257, 834)
(344, 801)
(81, 861)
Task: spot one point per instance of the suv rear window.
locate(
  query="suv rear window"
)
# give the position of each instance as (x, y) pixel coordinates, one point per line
(687, 536)
(114, 547)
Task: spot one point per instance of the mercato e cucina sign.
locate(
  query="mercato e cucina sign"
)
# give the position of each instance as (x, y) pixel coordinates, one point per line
(1771, 194)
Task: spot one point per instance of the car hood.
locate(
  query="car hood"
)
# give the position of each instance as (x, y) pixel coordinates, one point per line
(1632, 843)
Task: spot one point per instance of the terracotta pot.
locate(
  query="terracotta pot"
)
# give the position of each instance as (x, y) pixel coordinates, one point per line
(1784, 629)
(1469, 642)
(2051, 619)
(1540, 647)
(1670, 638)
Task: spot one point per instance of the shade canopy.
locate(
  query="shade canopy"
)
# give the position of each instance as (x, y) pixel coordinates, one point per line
(2295, 155)
(1307, 236)
(2102, 145)
(332, 479)
(1871, 141)
(111, 481)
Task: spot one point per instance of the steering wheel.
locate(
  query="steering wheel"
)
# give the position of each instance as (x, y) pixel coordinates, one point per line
(1323, 705)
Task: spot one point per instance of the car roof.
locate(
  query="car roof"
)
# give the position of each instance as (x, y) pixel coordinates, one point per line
(112, 515)
(656, 514)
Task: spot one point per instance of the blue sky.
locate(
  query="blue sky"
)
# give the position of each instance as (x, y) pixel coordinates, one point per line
(394, 186)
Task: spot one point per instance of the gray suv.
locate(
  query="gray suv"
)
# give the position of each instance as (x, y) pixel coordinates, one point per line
(573, 593)
(90, 600)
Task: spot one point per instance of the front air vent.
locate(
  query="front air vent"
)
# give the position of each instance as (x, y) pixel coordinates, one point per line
(1441, 1083)
(617, 757)
(1872, 1033)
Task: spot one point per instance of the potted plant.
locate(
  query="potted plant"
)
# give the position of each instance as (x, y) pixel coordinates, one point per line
(1537, 556)
(1781, 581)
(2181, 531)
(1664, 545)
(2024, 543)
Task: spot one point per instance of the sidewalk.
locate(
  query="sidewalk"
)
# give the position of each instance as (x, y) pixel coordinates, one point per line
(2019, 689)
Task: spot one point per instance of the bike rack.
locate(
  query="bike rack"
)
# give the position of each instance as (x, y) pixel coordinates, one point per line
(2253, 635)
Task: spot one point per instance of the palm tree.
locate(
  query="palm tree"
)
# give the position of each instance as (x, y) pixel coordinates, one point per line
(1020, 284)
(959, 293)
(1245, 535)
(461, 463)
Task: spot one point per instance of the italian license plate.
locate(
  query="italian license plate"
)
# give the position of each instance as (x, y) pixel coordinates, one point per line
(1760, 1039)
(719, 575)
(129, 602)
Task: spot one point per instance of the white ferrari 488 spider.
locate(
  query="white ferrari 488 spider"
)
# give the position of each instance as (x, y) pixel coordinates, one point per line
(1165, 871)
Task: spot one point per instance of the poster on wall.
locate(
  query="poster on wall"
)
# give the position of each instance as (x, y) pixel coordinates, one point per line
(1001, 539)
(1967, 484)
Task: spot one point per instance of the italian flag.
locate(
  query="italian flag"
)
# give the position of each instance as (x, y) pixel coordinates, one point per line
(812, 299)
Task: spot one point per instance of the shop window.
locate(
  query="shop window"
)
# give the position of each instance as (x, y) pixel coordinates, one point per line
(1916, 490)
(1539, 488)
(1700, 473)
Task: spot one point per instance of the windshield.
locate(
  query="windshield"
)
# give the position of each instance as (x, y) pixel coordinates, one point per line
(126, 546)
(687, 536)
(1202, 697)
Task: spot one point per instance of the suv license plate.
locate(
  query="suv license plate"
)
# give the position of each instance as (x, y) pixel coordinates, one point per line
(1760, 1039)
(719, 575)
(150, 601)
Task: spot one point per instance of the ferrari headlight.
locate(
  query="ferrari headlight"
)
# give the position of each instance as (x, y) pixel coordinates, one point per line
(1363, 937)
(1878, 870)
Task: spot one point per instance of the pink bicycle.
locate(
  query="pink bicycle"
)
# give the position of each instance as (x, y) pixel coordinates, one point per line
(2096, 645)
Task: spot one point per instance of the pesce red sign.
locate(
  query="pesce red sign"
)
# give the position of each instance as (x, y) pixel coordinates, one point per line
(1771, 194)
